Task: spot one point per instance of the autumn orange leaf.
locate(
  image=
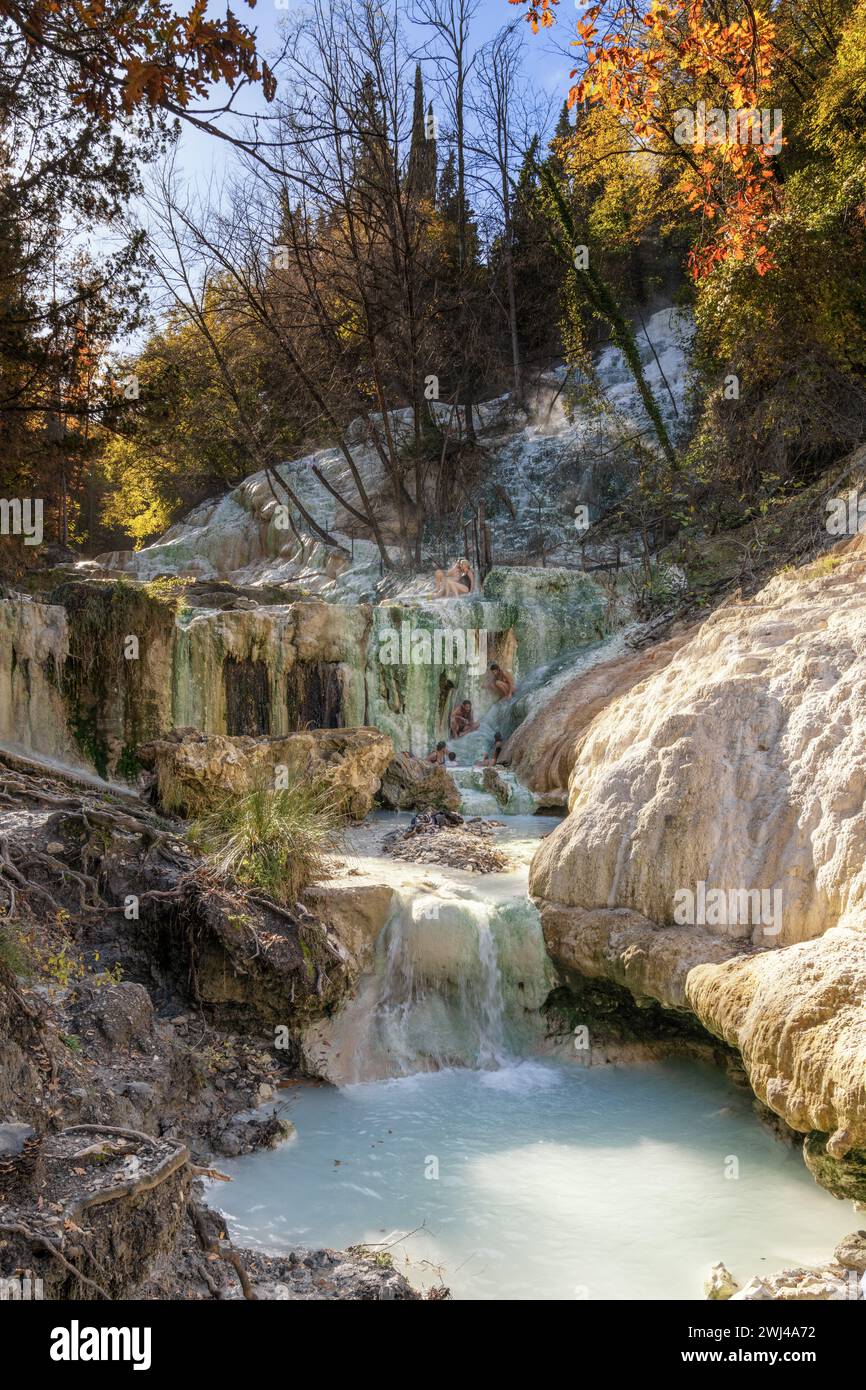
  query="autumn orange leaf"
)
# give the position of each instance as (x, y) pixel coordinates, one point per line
(653, 59)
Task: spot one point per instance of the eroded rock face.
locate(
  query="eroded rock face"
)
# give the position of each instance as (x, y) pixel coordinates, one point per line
(841, 1280)
(109, 1200)
(543, 750)
(851, 1252)
(798, 1017)
(192, 770)
(122, 1012)
(34, 645)
(270, 669)
(620, 945)
(356, 913)
(739, 765)
(720, 1283)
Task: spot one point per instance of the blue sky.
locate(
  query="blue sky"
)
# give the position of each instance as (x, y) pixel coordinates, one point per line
(201, 155)
(203, 161)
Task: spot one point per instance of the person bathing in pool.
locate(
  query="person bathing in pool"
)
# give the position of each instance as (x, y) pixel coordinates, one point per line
(492, 758)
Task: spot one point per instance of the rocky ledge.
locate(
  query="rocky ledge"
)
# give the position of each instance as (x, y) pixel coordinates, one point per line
(137, 1044)
(843, 1279)
(191, 770)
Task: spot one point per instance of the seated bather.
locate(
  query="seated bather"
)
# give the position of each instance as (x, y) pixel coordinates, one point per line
(499, 682)
(462, 721)
(439, 753)
(456, 582)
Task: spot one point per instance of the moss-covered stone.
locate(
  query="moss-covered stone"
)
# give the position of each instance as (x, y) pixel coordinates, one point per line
(844, 1177)
(116, 678)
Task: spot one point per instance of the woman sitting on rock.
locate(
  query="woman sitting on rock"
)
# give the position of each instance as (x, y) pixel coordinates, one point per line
(456, 582)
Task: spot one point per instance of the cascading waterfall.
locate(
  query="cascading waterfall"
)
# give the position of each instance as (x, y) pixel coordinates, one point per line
(457, 981)
(436, 1010)
(491, 1010)
(510, 799)
(511, 1174)
(422, 655)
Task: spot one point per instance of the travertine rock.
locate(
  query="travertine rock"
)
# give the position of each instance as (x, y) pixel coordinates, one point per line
(192, 769)
(798, 1017)
(851, 1252)
(620, 945)
(34, 645)
(828, 1284)
(720, 1283)
(753, 1292)
(543, 749)
(356, 912)
(740, 766)
(409, 784)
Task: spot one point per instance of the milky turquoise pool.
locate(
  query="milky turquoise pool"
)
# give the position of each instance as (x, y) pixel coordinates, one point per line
(540, 1180)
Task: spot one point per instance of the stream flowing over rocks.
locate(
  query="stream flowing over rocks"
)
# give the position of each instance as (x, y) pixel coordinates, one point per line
(631, 904)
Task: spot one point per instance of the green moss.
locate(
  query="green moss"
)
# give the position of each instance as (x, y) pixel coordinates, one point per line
(86, 735)
(107, 696)
(309, 960)
(382, 1258)
(844, 1177)
(611, 1014)
(128, 765)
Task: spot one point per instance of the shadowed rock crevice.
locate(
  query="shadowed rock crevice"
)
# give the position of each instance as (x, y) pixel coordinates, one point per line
(248, 703)
(314, 696)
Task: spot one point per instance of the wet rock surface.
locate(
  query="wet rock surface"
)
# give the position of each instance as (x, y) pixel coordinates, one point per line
(409, 784)
(840, 1280)
(356, 1275)
(829, 1283)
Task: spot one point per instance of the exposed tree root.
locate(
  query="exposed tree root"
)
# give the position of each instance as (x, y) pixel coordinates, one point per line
(214, 1248)
(42, 1242)
(9, 870)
